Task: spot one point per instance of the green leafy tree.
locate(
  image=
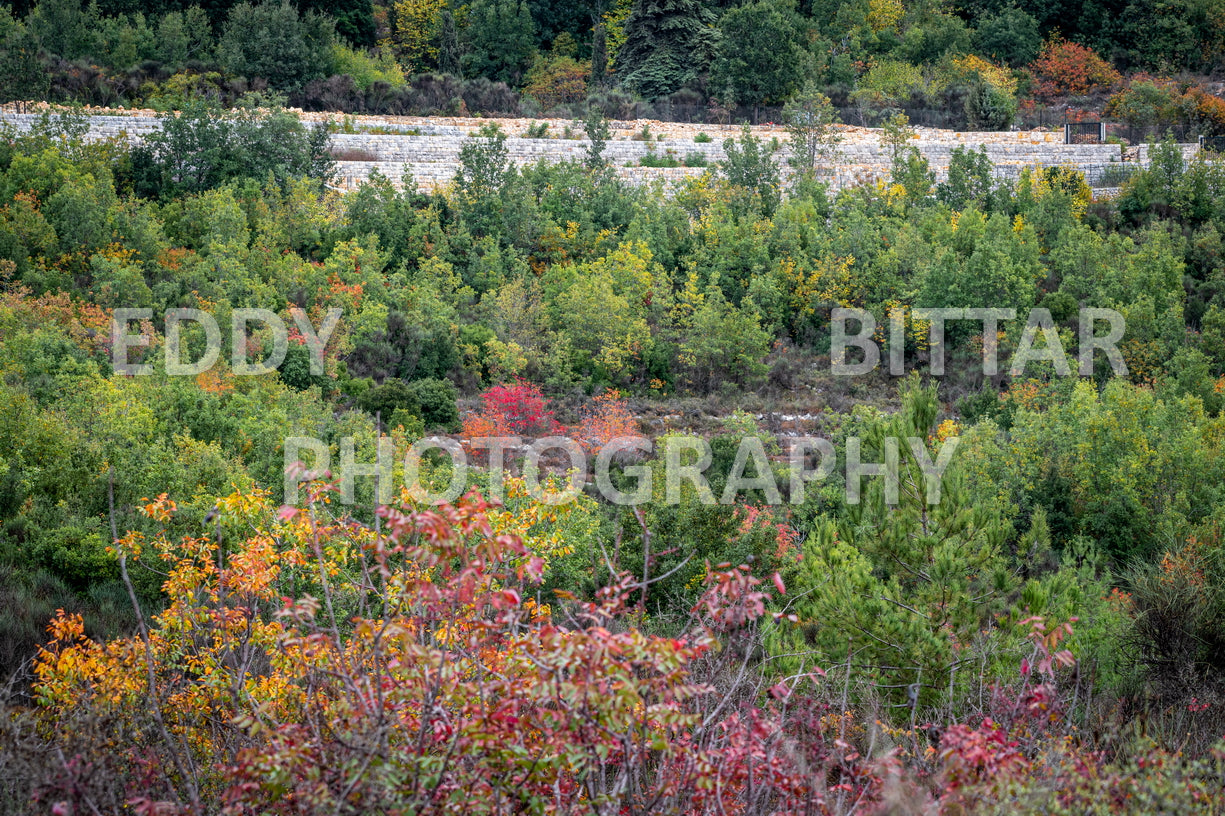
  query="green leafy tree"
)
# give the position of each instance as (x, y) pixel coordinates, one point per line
(431, 401)
(1010, 36)
(605, 327)
(932, 38)
(68, 28)
(598, 134)
(1140, 487)
(812, 124)
(668, 43)
(983, 263)
(749, 164)
(483, 175)
(436, 399)
(203, 147)
(183, 36)
(722, 345)
(969, 179)
(273, 41)
(295, 369)
(760, 56)
(499, 41)
(889, 85)
(896, 135)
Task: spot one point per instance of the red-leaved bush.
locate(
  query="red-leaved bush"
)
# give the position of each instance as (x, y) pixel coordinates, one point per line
(316, 666)
(1064, 68)
(512, 410)
(286, 677)
(606, 417)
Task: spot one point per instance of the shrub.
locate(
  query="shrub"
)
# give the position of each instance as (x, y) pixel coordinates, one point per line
(336, 93)
(889, 84)
(366, 69)
(485, 697)
(537, 130)
(614, 104)
(510, 410)
(560, 81)
(1209, 111)
(1064, 68)
(393, 395)
(652, 160)
(605, 418)
(436, 401)
(355, 154)
(989, 108)
(1148, 102)
(1178, 636)
(703, 138)
(486, 96)
(696, 159)
(178, 90)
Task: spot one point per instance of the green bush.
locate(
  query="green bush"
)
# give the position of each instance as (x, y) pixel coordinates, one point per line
(295, 370)
(436, 401)
(393, 395)
(652, 160)
(989, 108)
(703, 138)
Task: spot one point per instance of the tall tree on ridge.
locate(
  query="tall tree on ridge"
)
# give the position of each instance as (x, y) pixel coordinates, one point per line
(668, 43)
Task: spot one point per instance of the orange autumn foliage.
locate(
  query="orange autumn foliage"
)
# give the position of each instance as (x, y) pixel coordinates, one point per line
(605, 418)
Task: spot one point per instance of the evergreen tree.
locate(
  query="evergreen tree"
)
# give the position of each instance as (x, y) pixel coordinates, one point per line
(22, 76)
(354, 18)
(668, 43)
(904, 579)
(449, 51)
(599, 55)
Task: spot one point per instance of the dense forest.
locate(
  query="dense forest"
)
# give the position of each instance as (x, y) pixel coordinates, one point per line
(194, 622)
(979, 65)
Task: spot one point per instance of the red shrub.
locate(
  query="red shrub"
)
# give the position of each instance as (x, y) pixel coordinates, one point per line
(1068, 68)
(606, 418)
(512, 410)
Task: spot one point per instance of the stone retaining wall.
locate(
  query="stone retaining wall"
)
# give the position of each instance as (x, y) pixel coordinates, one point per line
(428, 149)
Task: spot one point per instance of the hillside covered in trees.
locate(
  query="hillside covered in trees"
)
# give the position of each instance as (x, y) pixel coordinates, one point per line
(977, 65)
(184, 635)
(827, 548)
